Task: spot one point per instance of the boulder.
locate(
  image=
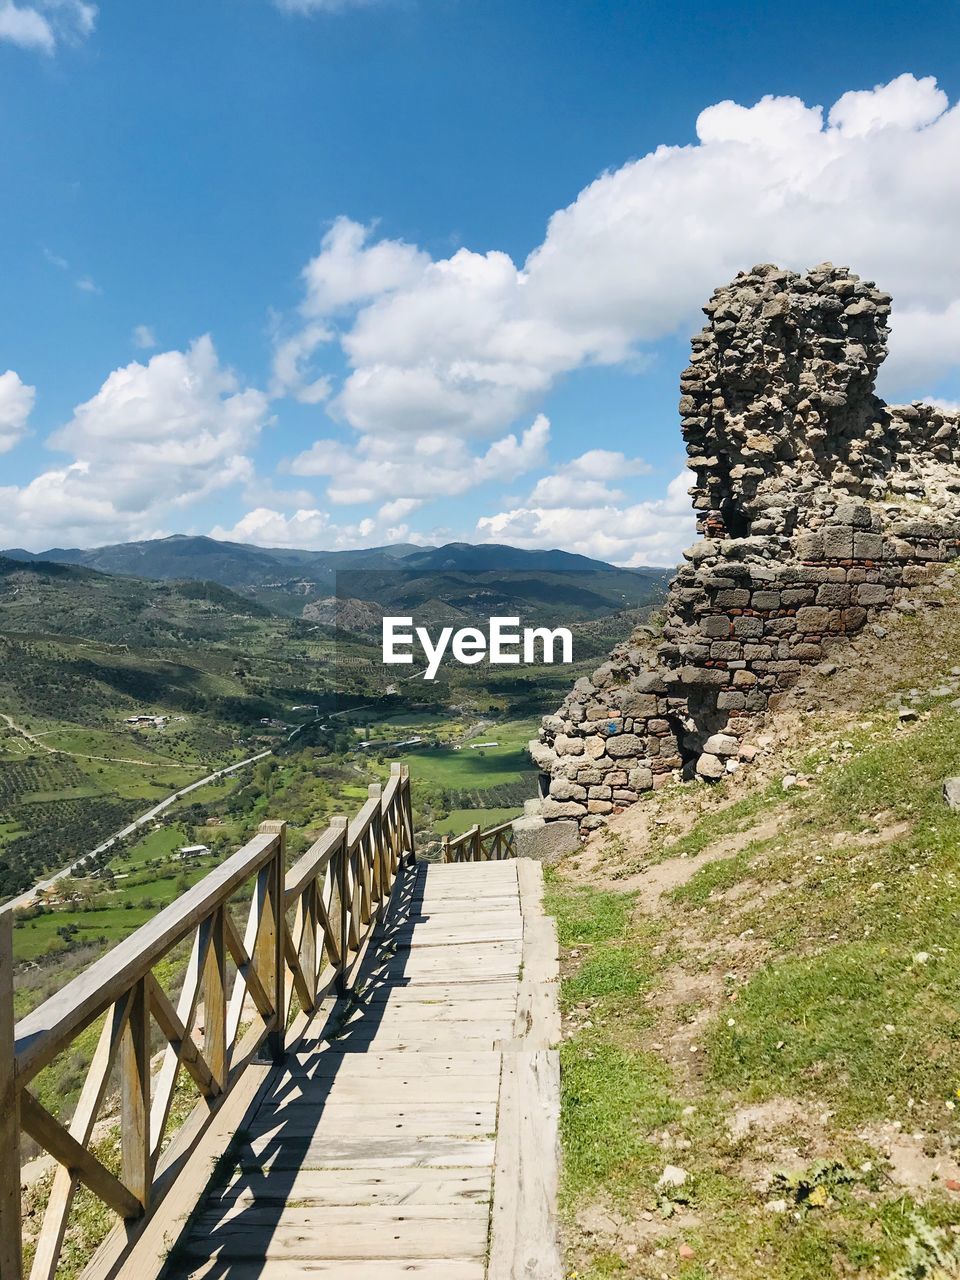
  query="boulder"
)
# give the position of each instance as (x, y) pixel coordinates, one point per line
(544, 841)
(710, 767)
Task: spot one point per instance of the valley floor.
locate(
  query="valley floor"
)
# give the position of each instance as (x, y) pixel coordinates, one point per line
(762, 994)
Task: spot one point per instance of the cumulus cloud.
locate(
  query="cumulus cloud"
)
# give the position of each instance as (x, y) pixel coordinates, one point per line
(310, 528)
(924, 343)
(469, 343)
(350, 269)
(582, 482)
(155, 438)
(429, 466)
(47, 23)
(398, 509)
(654, 532)
(16, 405)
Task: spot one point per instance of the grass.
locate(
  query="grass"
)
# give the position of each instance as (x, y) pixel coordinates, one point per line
(459, 770)
(584, 914)
(613, 1100)
(838, 940)
(460, 820)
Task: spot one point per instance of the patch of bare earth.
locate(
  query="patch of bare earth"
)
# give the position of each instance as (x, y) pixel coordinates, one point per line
(915, 1161)
(608, 1228)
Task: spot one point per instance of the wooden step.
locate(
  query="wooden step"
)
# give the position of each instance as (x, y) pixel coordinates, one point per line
(376, 1186)
(368, 1153)
(288, 1234)
(368, 1269)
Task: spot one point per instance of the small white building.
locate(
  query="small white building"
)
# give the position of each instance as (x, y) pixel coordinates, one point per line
(188, 851)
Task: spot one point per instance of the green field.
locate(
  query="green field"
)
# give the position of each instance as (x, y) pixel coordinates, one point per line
(460, 820)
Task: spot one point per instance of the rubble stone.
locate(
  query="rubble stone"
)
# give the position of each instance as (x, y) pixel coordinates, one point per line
(818, 508)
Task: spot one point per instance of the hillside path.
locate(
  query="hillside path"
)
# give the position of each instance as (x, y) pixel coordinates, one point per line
(413, 1134)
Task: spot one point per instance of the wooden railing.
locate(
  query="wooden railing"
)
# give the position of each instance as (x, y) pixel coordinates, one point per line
(475, 845)
(304, 935)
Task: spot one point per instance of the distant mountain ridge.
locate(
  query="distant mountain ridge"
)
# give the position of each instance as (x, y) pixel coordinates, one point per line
(289, 580)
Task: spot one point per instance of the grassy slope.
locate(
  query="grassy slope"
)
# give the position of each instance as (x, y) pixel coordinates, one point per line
(792, 1008)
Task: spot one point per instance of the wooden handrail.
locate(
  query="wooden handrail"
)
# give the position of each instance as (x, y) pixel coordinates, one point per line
(474, 845)
(247, 981)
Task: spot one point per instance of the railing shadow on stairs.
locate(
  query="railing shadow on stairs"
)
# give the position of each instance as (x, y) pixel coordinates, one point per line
(305, 940)
(261, 1183)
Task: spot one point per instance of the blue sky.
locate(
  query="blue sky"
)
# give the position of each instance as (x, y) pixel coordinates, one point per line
(324, 275)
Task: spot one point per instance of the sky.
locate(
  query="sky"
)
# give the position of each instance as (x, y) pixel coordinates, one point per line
(337, 273)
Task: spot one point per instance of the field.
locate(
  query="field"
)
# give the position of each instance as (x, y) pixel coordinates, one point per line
(459, 820)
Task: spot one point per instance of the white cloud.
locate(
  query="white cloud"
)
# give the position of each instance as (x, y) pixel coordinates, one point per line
(291, 366)
(348, 269)
(56, 260)
(925, 342)
(47, 23)
(309, 528)
(430, 466)
(582, 481)
(645, 533)
(399, 509)
(143, 337)
(904, 103)
(26, 28)
(155, 438)
(469, 343)
(16, 405)
(86, 285)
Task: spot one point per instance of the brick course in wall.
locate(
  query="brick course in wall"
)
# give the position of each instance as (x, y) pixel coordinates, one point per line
(819, 508)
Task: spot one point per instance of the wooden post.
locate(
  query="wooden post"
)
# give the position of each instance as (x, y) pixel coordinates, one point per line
(396, 822)
(11, 1259)
(215, 999)
(380, 875)
(406, 808)
(270, 945)
(135, 1096)
(445, 855)
(475, 846)
(307, 917)
(341, 882)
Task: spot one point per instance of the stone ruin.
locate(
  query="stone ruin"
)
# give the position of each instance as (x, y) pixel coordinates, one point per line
(818, 507)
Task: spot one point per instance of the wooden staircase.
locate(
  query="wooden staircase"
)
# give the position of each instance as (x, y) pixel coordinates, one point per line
(407, 1124)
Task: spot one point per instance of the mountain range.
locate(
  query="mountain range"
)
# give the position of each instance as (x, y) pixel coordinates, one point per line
(457, 580)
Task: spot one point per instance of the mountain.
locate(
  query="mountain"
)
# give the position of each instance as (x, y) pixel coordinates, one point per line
(50, 598)
(233, 564)
(470, 580)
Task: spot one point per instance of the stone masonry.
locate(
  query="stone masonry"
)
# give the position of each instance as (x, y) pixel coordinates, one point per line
(818, 507)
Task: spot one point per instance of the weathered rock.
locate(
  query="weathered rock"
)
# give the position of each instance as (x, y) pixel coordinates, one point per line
(951, 793)
(722, 744)
(545, 841)
(817, 506)
(710, 766)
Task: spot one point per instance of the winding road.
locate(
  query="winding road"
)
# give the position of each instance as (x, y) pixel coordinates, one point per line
(27, 898)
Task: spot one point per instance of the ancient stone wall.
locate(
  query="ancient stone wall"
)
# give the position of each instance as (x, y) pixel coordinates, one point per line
(818, 506)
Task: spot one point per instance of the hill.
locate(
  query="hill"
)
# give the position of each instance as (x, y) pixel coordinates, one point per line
(761, 985)
(289, 581)
(55, 598)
